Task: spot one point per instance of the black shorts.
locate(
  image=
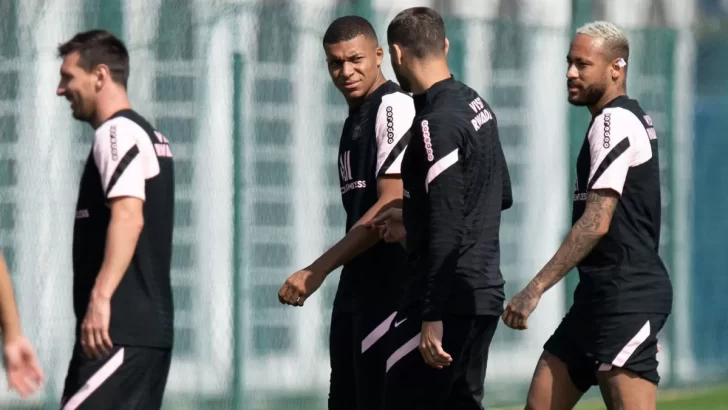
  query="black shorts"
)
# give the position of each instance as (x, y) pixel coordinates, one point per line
(588, 344)
(129, 378)
(411, 384)
(358, 359)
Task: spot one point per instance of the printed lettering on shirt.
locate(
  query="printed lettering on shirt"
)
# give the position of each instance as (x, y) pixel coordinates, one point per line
(482, 116)
(426, 138)
(112, 141)
(393, 122)
(390, 125)
(651, 129)
(345, 166)
(346, 174)
(162, 146)
(607, 122)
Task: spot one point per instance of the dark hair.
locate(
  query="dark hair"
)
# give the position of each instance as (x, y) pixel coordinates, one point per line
(99, 47)
(347, 27)
(418, 29)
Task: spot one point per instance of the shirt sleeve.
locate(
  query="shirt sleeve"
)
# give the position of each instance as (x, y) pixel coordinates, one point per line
(611, 144)
(507, 199)
(446, 202)
(394, 120)
(117, 156)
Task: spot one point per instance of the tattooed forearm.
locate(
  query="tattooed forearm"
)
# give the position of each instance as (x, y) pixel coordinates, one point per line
(583, 237)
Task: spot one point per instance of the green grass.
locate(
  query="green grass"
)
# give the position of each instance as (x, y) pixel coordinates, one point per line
(678, 399)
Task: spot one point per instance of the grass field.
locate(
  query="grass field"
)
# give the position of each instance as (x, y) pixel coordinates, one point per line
(679, 399)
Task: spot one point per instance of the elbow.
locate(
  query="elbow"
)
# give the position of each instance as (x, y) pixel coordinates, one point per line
(507, 203)
(134, 222)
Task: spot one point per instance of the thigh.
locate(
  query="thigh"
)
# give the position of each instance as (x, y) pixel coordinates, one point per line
(468, 388)
(342, 350)
(129, 378)
(565, 370)
(412, 384)
(627, 353)
(552, 387)
(371, 330)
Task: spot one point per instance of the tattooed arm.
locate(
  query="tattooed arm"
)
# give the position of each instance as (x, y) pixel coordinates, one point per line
(584, 236)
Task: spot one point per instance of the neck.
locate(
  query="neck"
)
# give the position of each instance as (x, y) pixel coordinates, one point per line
(109, 105)
(355, 102)
(608, 97)
(428, 72)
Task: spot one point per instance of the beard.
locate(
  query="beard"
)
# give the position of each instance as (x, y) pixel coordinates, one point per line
(402, 80)
(589, 95)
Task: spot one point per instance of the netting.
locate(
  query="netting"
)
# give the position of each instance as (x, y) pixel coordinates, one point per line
(242, 92)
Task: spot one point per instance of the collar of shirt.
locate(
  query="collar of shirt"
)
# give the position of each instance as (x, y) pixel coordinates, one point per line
(371, 97)
(424, 99)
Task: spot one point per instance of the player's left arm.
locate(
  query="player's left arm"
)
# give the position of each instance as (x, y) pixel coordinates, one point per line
(120, 159)
(123, 172)
(446, 202)
(611, 143)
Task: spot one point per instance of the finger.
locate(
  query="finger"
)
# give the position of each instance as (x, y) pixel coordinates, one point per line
(300, 300)
(282, 293)
(107, 340)
(507, 316)
(18, 384)
(292, 296)
(36, 372)
(442, 355)
(86, 345)
(428, 357)
(102, 343)
(288, 294)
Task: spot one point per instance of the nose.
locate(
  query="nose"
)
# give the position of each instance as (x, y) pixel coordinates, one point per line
(60, 91)
(347, 70)
(572, 72)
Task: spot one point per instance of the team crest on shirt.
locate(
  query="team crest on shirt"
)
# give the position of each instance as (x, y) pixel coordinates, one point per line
(357, 132)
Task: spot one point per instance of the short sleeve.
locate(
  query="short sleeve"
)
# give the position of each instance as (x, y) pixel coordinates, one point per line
(117, 155)
(612, 148)
(394, 120)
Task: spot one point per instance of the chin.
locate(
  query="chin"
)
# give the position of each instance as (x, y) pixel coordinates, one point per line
(577, 102)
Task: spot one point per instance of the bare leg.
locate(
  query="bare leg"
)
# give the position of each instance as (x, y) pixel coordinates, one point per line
(624, 390)
(551, 386)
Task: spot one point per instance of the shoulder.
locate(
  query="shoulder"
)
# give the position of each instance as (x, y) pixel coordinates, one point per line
(119, 134)
(119, 128)
(396, 103)
(617, 116)
(614, 124)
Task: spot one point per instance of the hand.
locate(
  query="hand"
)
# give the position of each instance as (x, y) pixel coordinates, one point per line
(520, 308)
(95, 339)
(21, 364)
(431, 345)
(389, 225)
(299, 286)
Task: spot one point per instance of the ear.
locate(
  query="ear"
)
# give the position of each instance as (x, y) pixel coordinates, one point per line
(380, 56)
(397, 53)
(103, 74)
(618, 68)
(447, 45)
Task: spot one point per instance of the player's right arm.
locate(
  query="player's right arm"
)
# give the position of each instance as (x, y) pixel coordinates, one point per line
(613, 149)
(23, 371)
(394, 119)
